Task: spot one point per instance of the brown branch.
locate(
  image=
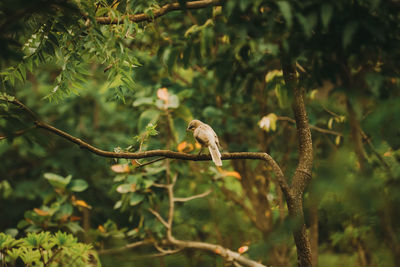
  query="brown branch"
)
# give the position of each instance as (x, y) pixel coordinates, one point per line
(17, 133)
(166, 251)
(216, 249)
(160, 185)
(160, 218)
(126, 247)
(316, 128)
(170, 190)
(302, 175)
(148, 163)
(227, 254)
(160, 153)
(356, 136)
(24, 107)
(186, 199)
(161, 254)
(159, 12)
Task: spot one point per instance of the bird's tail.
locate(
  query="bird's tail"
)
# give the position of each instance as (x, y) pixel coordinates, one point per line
(215, 155)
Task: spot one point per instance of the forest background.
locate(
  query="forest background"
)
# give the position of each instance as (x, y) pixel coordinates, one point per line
(87, 87)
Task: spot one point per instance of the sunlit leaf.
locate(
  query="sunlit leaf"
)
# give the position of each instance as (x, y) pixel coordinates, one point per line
(125, 188)
(78, 185)
(82, 203)
(41, 212)
(163, 94)
(232, 174)
(135, 199)
(120, 168)
(268, 122)
(337, 140)
(272, 74)
(185, 147)
(57, 180)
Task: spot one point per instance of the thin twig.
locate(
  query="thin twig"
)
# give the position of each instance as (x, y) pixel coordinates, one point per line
(329, 111)
(186, 199)
(148, 163)
(18, 133)
(165, 251)
(160, 185)
(158, 216)
(170, 190)
(126, 247)
(156, 255)
(316, 128)
(24, 107)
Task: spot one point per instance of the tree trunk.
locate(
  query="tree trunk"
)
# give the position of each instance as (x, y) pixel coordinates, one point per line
(295, 206)
(314, 232)
(302, 175)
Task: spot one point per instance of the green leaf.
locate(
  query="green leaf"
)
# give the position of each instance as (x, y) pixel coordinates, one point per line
(125, 188)
(149, 116)
(143, 101)
(147, 183)
(77, 185)
(22, 71)
(64, 240)
(282, 95)
(11, 231)
(6, 97)
(184, 113)
(151, 129)
(74, 227)
(179, 129)
(348, 33)
(136, 199)
(326, 14)
(375, 82)
(57, 180)
(6, 241)
(53, 39)
(118, 204)
(65, 210)
(14, 253)
(284, 7)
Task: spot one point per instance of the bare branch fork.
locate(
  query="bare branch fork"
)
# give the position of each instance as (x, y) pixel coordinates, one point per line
(236, 258)
(228, 254)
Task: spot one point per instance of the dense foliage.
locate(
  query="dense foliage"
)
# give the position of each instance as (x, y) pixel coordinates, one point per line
(134, 86)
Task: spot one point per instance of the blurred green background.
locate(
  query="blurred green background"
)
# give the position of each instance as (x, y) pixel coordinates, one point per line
(221, 64)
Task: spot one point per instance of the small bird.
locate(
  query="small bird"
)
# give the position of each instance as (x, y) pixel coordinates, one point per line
(206, 137)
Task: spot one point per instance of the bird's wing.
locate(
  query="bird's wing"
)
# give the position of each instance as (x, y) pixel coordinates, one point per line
(216, 139)
(203, 135)
(214, 135)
